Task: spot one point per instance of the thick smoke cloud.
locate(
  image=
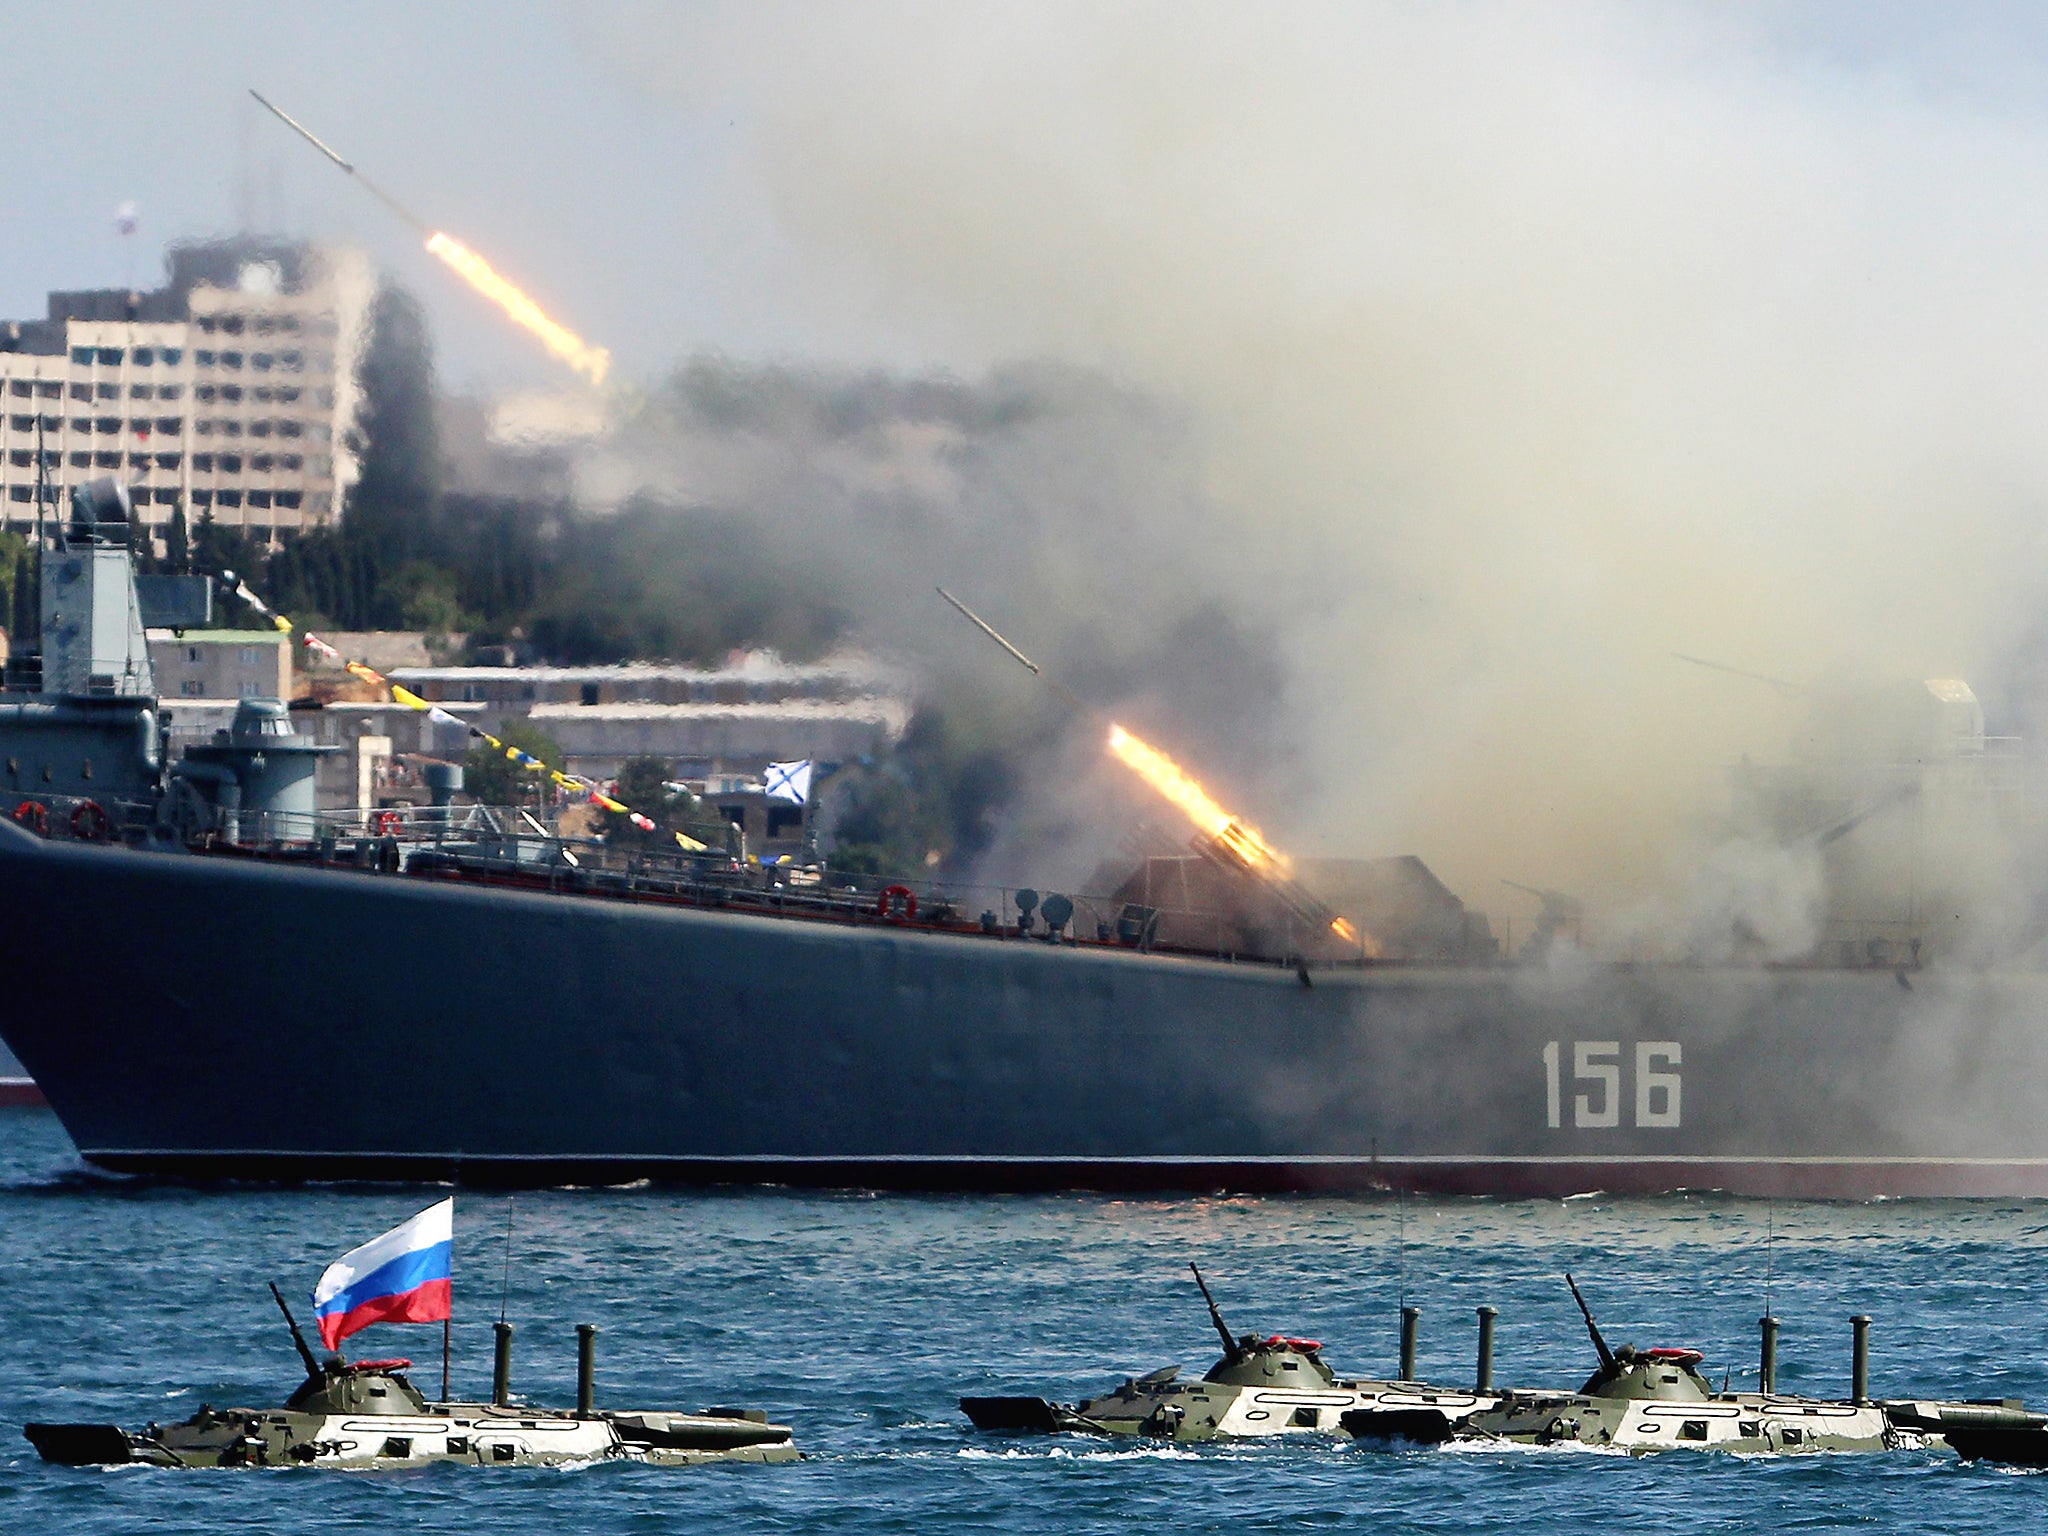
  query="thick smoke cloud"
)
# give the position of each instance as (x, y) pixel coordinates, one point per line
(1476, 359)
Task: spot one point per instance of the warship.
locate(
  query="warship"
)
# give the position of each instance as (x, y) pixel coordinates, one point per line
(1260, 1387)
(367, 1414)
(218, 961)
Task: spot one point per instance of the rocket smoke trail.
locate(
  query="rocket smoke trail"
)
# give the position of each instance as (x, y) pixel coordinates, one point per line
(592, 362)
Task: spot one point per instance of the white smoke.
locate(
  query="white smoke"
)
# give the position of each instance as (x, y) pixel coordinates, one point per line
(1519, 347)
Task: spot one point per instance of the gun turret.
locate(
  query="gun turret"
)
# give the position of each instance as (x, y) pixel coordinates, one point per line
(298, 1338)
(1232, 1350)
(1607, 1362)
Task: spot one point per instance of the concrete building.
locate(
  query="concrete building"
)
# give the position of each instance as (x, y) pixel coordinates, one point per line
(231, 390)
(221, 664)
(705, 723)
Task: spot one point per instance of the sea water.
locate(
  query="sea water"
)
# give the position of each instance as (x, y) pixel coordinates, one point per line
(861, 1320)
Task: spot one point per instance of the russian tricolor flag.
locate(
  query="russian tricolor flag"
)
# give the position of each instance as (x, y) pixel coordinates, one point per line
(405, 1276)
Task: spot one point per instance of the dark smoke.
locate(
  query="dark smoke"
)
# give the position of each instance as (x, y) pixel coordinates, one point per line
(1064, 506)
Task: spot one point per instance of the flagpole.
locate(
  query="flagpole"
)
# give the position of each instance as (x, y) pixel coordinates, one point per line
(447, 1328)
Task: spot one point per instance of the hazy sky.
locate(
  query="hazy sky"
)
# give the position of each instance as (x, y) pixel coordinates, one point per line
(1520, 345)
(612, 156)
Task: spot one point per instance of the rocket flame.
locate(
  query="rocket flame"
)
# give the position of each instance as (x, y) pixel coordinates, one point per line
(591, 362)
(1172, 781)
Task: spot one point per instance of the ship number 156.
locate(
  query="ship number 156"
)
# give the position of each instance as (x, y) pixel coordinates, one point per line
(1598, 1065)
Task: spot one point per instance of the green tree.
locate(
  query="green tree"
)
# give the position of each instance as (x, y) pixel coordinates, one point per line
(491, 778)
(643, 787)
(14, 581)
(178, 541)
(418, 595)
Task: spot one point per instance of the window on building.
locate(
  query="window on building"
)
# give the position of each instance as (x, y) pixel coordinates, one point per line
(190, 690)
(231, 324)
(82, 424)
(169, 460)
(170, 425)
(81, 461)
(53, 423)
(203, 392)
(18, 492)
(50, 389)
(174, 355)
(139, 425)
(82, 356)
(288, 499)
(288, 393)
(170, 391)
(290, 461)
(202, 463)
(259, 499)
(260, 427)
(203, 426)
(288, 323)
(231, 498)
(110, 357)
(22, 458)
(231, 359)
(292, 362)
(230, 427)
(142, 357)
(201, 497)
(260, 361)
(208, 324)
(264, 325)
(261, 463)
(231, 463)
(141, 392)
(22, 423)
(205, 359)
(140, 462)
(81, 391)
(22, 389)
(231, 392)
(110, 425)
(105, 460)
(289, 429)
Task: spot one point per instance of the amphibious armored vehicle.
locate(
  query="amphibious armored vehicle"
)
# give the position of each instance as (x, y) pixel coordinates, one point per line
(1657, 1399)
(368, 1414)
(1262, 1386)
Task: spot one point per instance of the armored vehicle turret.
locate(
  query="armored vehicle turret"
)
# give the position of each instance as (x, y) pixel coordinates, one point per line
(1272, 1385)
(368, 1414)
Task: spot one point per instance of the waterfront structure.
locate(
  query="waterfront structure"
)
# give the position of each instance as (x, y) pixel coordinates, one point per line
(231, 390)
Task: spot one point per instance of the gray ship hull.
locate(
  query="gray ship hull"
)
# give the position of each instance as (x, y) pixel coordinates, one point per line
(217, 1016)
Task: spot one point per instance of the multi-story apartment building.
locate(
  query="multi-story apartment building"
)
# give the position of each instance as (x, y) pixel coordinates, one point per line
(231, 390)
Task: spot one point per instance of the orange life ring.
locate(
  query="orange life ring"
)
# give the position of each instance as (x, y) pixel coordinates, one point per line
(387, 823)
(89, 823)
(886, 904)
(34, 815)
